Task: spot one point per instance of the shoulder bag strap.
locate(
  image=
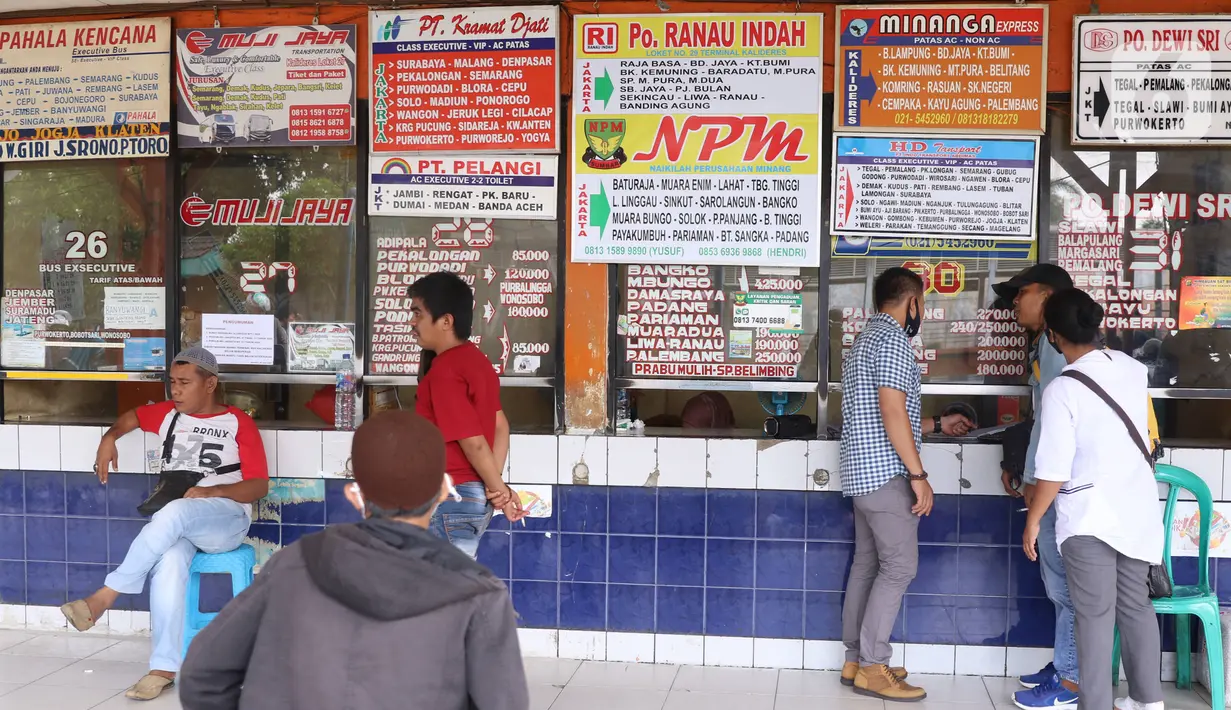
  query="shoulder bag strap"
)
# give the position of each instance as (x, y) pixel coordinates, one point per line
(1128, 423)
(169, 439)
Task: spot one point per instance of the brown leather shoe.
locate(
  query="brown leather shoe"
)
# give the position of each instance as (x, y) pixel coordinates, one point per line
(850, 668)
(879, 682)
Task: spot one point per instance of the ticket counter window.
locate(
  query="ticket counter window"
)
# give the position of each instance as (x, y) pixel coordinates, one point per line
(267, 258)
(1147, 232)
(513, 268)
(84, 282)
(967, 337)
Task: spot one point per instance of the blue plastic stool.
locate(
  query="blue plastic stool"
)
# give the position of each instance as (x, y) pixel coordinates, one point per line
(239, 563)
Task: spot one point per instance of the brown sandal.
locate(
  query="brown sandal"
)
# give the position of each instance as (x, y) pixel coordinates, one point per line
(78, 614)
(149, 687)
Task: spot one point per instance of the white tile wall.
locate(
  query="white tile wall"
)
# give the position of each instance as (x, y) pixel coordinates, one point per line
(12, 616)
(944, 467)
(679, 650)
(824, 655)
(269, 438)
(777, 653)
(929, 658)
(532, 459)
(732, 463)
(979, 660)
(681, 463)
(38, 447)
(78, 447)
(728, 651)
(583, 645)
(131, 448)
(981, 468)
(1206, 463)
(632, 461)
(577, 450)
(9, 448)
(782, 465)
(541, 643)
(823, 463)
(630, 648)
(299, 454)
(335, 453)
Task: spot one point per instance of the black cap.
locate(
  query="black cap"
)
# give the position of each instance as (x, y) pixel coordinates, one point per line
(1046, 274)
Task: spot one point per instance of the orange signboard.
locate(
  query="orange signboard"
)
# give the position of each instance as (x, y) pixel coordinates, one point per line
(942, 68)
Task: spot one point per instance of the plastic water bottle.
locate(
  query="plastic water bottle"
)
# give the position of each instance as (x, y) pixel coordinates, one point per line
(344, 396)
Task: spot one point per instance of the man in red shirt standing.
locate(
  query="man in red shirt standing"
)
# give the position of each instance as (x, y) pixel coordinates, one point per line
(459, 392)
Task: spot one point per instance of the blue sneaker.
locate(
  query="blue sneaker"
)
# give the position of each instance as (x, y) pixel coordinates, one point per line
(1043, 676)
(1052, 694)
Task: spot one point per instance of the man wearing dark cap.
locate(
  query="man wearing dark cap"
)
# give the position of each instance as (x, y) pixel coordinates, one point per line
(374, 615)
(201, 439)
(1056, 684)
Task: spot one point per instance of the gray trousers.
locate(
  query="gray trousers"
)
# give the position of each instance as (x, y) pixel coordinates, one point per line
(1109, 590)
(886, 558)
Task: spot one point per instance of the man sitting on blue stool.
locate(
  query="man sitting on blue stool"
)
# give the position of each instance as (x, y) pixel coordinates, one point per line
(199, 435)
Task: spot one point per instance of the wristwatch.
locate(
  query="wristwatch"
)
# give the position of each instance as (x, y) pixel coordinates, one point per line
(921, 477)
(936, 426)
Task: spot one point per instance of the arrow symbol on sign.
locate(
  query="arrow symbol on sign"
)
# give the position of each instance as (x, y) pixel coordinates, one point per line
(865, 87)
(600, 209)
(1101, 103)
(504, 346)
(488, 273)
(604, 88)
(488, 312)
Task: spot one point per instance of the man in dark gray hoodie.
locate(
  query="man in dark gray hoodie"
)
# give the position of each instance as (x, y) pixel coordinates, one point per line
(375, 615)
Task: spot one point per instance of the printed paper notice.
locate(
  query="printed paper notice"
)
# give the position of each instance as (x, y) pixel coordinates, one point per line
(134, 308)
(238, 340)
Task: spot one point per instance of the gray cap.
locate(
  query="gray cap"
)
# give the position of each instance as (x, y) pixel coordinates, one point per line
(200, 357)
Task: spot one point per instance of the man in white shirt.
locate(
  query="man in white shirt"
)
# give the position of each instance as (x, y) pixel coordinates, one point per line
(1108, 522)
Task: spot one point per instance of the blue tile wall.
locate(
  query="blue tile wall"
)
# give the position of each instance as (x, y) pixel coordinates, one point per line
(667, 560)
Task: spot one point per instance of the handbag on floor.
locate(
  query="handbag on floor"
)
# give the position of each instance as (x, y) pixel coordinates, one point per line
(172, 485)
(1157, 580)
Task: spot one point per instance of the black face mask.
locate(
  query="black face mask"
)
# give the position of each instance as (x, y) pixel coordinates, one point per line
(913, 323)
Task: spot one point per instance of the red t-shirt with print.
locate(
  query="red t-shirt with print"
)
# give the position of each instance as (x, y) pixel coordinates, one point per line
(226, 447)
(460, 395)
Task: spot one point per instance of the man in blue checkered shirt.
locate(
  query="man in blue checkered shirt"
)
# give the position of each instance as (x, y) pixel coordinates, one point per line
(881, 470)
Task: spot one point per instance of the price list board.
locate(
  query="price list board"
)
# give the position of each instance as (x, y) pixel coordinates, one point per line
(679, 321)
(514, 288)
(934, 186)
(942, 68)
(73, 90)
(1151, 79)
(457, 79)
(696, 139)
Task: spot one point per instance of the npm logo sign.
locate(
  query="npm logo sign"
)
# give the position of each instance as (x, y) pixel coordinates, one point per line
(599, 37)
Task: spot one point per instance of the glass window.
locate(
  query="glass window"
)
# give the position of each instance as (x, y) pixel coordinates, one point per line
(966, 337)
(717, 322)
(84, 256)
(510, 264)
(267, 257)
(1145, 232)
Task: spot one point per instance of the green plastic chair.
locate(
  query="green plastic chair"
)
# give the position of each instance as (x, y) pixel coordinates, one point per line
(1199, 600)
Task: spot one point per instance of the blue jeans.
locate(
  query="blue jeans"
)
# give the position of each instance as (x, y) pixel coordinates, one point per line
(463, 522)
(1057, 586)
(167, 545)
